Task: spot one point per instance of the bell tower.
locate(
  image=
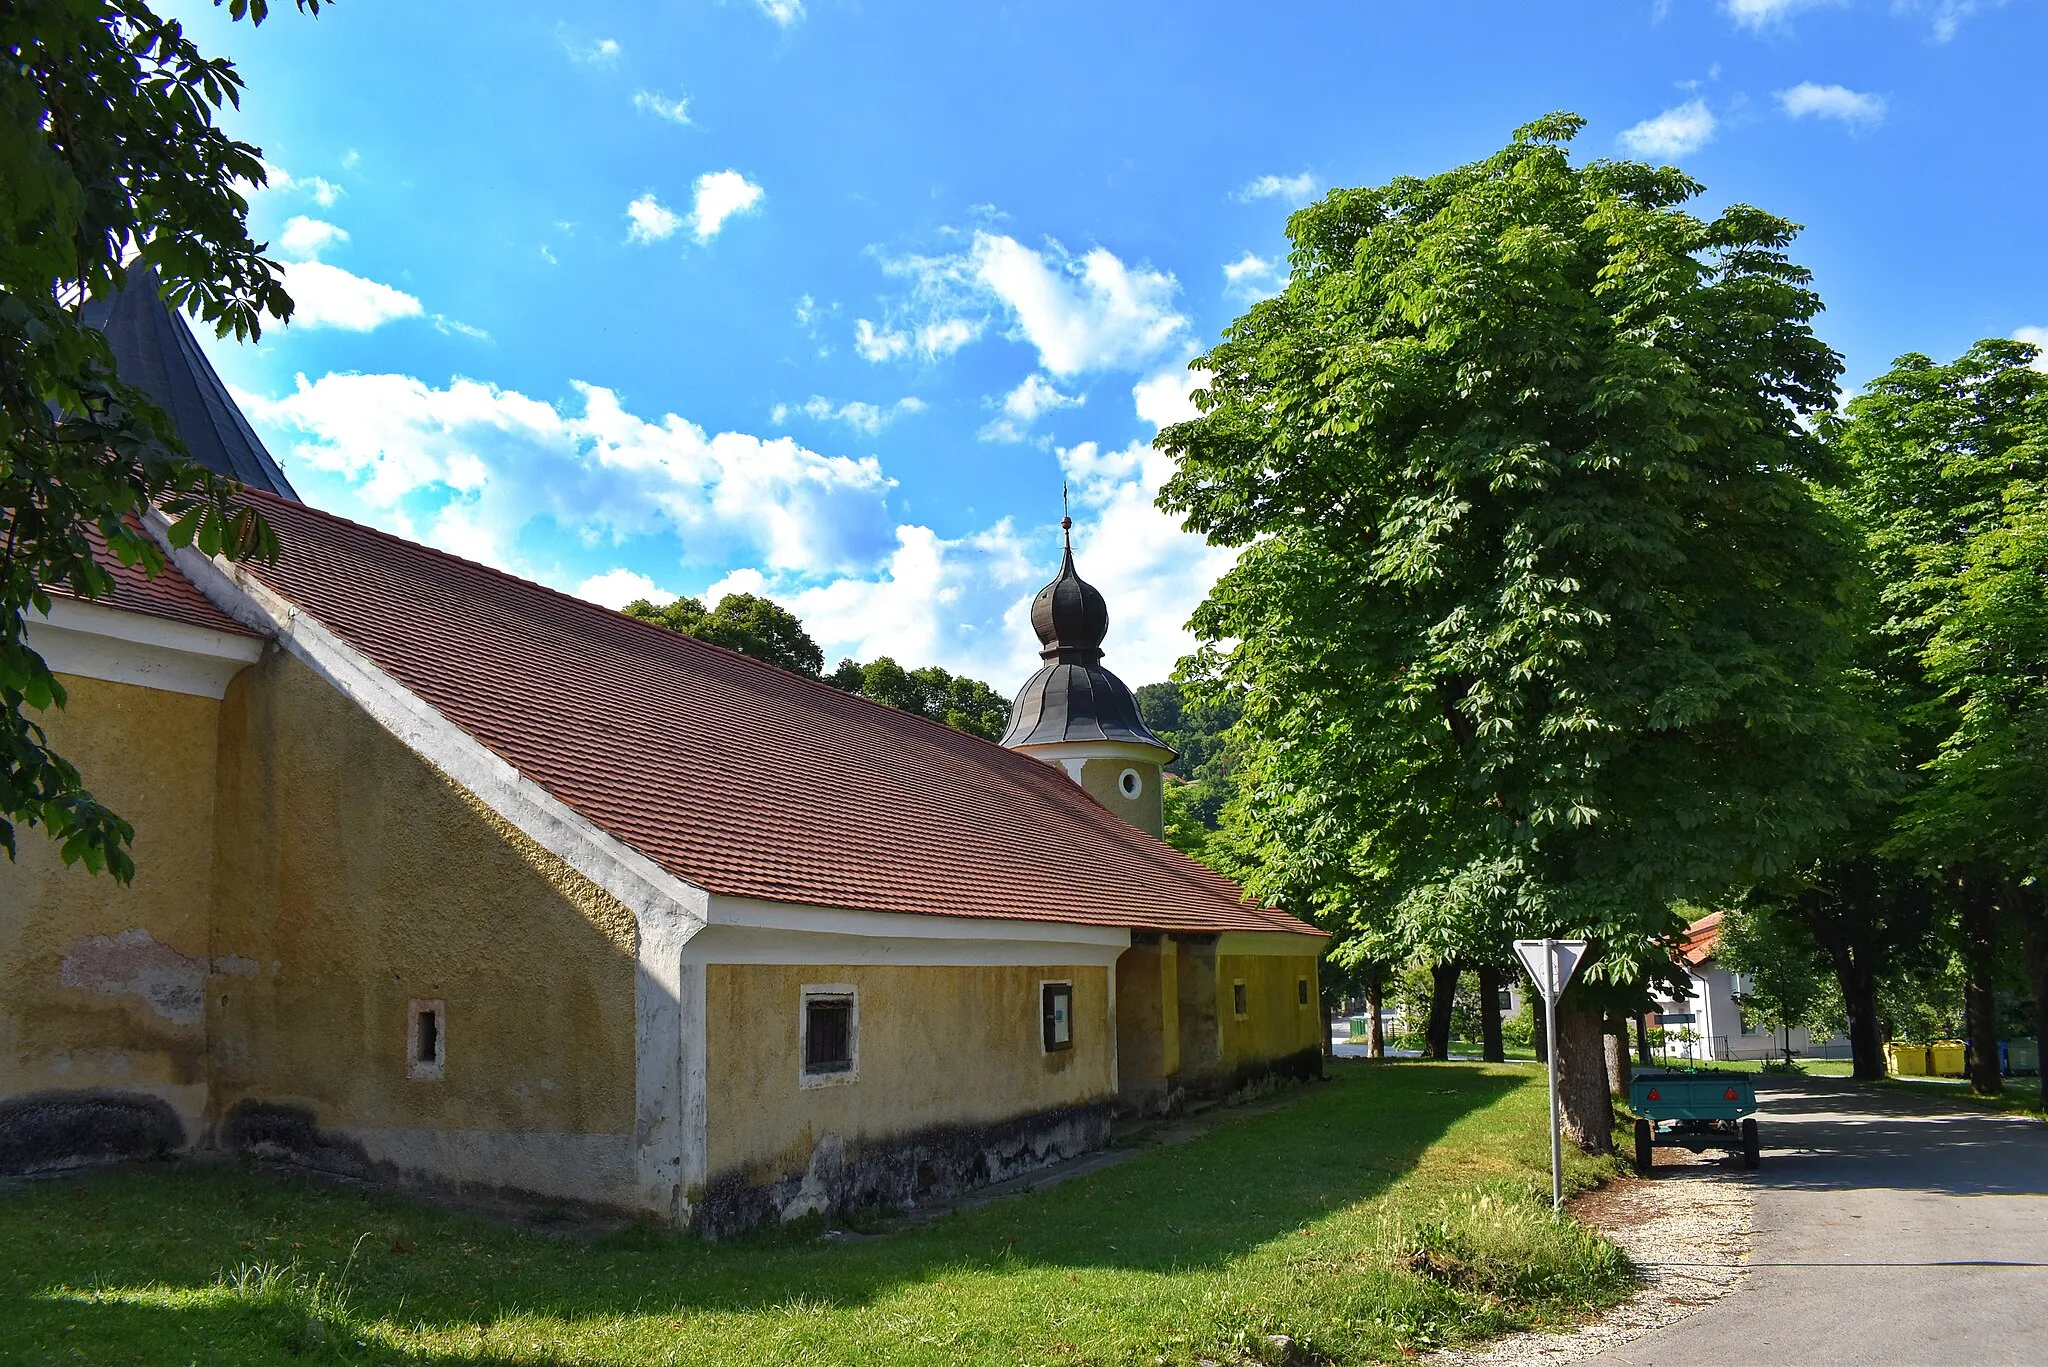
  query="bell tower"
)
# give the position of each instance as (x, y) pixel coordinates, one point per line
(1078, 715)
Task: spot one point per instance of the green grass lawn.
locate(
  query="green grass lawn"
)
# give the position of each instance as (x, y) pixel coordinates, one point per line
(2022, 1095)
(1397, 1207)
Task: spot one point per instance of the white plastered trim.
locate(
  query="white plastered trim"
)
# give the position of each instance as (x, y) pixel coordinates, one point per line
(1071, 754)
(95, 641)
(670, 1072)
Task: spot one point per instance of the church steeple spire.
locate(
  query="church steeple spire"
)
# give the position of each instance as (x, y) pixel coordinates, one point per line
(1075, 713)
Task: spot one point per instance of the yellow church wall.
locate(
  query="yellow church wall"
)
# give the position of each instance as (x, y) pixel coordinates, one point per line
(938, 1048)
(1277, 1024)
(103, 983)
(1100, 778)
(354, 880)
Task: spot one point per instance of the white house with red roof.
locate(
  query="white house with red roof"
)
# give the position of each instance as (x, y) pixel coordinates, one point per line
(446, 878)
(1709, 1022)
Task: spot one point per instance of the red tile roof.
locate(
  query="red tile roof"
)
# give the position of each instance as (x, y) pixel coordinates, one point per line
(732, 774)
(170, 594)
(1700, 940)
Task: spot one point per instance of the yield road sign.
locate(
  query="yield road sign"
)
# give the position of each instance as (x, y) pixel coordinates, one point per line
(1551, 963)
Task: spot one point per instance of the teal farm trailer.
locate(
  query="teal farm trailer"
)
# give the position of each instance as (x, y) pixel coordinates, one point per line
(1694, 1111)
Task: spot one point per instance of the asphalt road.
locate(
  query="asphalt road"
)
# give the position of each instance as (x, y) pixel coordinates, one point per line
(1890, 1231)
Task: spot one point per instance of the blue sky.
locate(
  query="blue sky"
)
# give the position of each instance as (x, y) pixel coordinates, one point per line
(824, 299)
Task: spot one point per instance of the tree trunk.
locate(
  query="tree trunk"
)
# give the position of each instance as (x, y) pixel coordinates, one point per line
(1539, 1035)
(1615, 1047)
(1583, 1099)
(2037, 971)
(1643, 1039)
(1375, 1037)
(1980, 1000)
(1490, 1046)
(1855, 974)
(1443, 993)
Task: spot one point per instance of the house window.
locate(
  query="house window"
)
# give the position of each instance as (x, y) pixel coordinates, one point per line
(426, 1040)
(1301, 990)
(1240, 999)
(1056, 1015)
(1130, 784)
(830, 1028)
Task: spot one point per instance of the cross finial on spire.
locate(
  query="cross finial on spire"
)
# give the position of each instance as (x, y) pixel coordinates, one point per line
(1066, 522)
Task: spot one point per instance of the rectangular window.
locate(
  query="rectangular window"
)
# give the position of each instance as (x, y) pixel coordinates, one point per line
(426, 1040)
(1056, 1012)
(1301, 990)
(831, 1035)
(1240, 1000)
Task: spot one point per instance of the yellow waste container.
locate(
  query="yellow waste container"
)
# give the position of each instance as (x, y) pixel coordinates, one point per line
(1945, 1059)
(1907, 1060)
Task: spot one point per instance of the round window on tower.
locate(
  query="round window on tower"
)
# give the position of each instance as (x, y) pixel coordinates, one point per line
(1129, 784)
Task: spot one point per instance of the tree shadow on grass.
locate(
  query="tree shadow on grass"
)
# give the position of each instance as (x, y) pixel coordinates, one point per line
(1194, 1208)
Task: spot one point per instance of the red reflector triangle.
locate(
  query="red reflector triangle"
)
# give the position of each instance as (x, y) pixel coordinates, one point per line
(1655, 1095)
(1730, 1096)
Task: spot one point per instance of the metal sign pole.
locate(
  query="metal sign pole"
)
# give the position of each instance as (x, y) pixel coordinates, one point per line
(1550, 995)
(1551, 964)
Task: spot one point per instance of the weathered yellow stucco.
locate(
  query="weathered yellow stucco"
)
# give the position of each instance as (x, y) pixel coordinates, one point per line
(937, 1046)
(1147, 1019)
(352, 879)
(1100, 777)
(1277, 1023)
(103, 982)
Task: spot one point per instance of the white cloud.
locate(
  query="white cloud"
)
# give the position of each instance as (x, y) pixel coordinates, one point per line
(1252, 277)
(1831, 102)
(1167, 398)
(876, 345)
(478, 465)
(1087, 313)
(720, 195)
(616, 588)
(1022, 406)
(1151, 573)
(1673, 133)
(1298, 189)
(599, 52)
(1945, 17)
(327, 296)
(2039, 337)
(783, 12)
(941, 337)
(675, 110)
(277, 180)
(946, 336)
(649, 220)
(860, 416)
(1762, 14)
(306, 238)
(453, 327)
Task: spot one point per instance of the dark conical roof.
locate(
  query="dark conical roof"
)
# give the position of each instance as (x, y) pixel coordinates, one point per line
(156, 352)
(1072, 697)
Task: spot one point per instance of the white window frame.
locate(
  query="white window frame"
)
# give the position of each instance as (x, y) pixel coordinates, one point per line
(1236, 1014)
(424, 1070)
(1136, 789)
(1072, 1000)
(806, 1078)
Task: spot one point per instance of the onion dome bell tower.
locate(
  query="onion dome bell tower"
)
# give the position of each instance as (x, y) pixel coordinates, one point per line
(1078, 715)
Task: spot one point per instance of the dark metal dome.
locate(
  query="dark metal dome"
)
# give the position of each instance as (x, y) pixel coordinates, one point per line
(1069, 616)
(1072, 697)
(155, 351)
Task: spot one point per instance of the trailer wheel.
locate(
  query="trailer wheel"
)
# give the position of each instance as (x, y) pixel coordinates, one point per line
(1752, 1151)
(1643, 1147)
